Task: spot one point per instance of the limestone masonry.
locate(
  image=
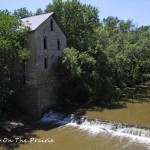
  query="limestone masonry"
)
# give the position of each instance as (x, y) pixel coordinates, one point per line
(46, 41)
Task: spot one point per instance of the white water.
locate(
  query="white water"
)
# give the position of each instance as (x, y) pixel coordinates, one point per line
(93, 127)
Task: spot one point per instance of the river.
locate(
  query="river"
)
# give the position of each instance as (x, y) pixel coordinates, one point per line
(56, 131)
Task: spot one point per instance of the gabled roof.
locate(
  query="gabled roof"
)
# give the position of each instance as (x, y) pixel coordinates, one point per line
(35, 21)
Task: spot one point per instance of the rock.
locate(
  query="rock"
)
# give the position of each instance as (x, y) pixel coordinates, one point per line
(10, 126)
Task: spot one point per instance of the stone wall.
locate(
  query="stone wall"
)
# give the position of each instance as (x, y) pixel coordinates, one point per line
(27, 100)
(47, 81)
(38, 93)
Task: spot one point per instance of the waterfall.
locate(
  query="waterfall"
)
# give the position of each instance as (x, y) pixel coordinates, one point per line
(95, 126)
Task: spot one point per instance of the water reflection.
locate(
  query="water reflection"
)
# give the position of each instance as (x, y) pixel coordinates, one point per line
(69, 132)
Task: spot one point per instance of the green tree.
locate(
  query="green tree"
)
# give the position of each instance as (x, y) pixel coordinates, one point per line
(102, 58)
(12, 39)
(127, 49)
(57, 6)
(85, 75)
(79, 20)
(39, 11)
(76, 75)
(22, 13)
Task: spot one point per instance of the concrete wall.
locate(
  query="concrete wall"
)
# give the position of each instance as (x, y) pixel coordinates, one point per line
(38, 94)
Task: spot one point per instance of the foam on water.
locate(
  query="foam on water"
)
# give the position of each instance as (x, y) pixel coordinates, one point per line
(95, 126)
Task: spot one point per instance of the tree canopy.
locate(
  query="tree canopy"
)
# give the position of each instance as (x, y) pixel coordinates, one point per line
(103, 57)
(22, 13)
(79, 20)
(12, 39)
(39, 11)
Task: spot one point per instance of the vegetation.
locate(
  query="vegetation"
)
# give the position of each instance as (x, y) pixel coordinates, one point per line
(79, 20)
(12, 39)
(103, 57)
(22, 13)
(39, 11)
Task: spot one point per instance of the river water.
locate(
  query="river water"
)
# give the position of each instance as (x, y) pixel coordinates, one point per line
(59, 131)
(80, 133)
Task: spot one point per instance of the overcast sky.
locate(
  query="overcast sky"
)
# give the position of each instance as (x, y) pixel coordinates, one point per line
(136, 10)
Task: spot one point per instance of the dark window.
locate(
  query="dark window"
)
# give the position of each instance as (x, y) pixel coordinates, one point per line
(24, 65)
(51, 25)
(58, 44)
(59, 58)
(45, 42)
(24, 79)
(24, 68)
(45, 63)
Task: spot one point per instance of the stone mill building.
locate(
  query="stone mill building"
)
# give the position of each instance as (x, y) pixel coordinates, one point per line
(46, 41)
